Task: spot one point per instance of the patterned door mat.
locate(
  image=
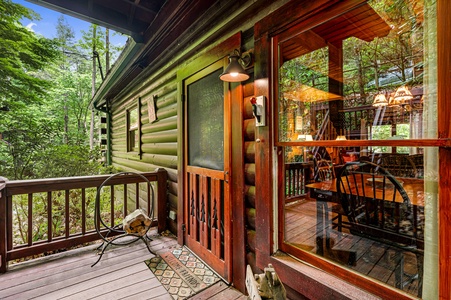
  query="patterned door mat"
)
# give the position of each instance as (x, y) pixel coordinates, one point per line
(182, 273)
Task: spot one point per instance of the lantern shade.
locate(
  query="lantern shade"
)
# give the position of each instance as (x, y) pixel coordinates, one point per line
(234, 71)
(380, 100)
(402, 96)
(305, 137)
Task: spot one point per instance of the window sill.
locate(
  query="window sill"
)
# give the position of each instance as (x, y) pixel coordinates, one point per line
(314, 283)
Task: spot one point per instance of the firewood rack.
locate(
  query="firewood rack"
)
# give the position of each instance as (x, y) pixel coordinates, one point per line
(115, 234)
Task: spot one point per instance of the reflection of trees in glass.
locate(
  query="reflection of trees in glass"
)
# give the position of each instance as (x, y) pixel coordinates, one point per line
(303, 80)
(391, 61)
(369, 67)
(381, 132)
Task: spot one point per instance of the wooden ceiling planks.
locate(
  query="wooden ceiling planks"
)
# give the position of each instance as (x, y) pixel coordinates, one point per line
(362, 22)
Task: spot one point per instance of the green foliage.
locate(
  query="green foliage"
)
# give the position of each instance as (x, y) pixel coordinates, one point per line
(22, 56)
(44, 100)
(69, 160)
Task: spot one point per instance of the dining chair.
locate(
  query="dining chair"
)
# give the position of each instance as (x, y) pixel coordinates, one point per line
(378, 208)
(418, 161)
(323, 171)
(399, 165)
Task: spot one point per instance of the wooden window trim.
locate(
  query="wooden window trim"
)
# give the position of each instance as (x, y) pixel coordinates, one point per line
(138, 142)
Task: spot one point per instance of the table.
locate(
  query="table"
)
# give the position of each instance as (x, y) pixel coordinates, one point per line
(326, 191)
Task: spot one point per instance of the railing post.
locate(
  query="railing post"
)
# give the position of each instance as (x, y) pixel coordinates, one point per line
(162, 199)
(3, 225)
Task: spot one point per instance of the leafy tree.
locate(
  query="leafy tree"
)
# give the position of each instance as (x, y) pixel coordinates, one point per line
(23, 55)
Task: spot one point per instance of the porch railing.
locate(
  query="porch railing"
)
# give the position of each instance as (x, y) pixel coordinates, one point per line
(297, 175)
(45, 191)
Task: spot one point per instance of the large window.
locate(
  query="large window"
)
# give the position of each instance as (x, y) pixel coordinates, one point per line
(354, 96)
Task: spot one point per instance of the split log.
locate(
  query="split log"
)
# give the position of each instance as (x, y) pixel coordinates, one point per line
(137, 222)
(250, 214)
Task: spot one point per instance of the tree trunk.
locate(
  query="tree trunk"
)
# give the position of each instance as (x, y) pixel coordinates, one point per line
(93, 82)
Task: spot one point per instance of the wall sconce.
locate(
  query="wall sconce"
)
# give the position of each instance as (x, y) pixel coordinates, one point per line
(341, 138)
(235, 70)
(380, 100)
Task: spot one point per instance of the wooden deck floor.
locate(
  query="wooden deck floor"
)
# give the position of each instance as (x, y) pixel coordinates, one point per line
(120, 274)
(374, 259)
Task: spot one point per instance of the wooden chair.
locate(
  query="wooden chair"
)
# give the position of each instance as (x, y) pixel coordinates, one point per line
(323, 171)
(418, 161)
(399, 165)
(378, 208)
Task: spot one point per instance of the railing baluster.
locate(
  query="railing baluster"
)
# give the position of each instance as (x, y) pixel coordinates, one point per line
(66, 214)
(112, 206)
(137, 195)
(30, 220)
(125, 200)
(83, 211)
(49, 217)
(97, 220)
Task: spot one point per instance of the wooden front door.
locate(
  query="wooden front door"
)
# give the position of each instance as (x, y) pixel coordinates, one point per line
(207, 210)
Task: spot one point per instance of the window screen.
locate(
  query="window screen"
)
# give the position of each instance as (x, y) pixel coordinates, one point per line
(206, 122)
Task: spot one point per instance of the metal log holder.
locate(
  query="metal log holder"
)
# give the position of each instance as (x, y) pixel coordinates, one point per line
(117, 230)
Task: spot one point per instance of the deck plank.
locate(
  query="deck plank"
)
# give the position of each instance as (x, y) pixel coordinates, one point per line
(82, 287)
(120, 274)
(53, 282)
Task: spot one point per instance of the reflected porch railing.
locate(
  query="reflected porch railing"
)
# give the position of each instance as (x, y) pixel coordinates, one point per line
(43, 193)
(297, 175)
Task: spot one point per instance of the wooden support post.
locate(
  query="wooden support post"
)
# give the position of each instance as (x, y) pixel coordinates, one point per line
(336, 86)
(3, 226)
(162, 197)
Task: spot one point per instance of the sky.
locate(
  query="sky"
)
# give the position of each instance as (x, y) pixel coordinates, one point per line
(49, 19)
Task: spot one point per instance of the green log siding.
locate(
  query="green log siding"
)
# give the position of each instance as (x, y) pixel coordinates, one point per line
(158, 139)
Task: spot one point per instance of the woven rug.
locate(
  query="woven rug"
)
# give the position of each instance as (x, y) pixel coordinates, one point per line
(181, 272)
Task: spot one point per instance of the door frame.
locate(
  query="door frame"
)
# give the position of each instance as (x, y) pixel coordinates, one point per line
(201, 61)
(203, 236)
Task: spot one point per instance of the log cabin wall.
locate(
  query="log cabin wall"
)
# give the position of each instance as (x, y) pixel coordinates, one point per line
(158, 146)
(249, 174)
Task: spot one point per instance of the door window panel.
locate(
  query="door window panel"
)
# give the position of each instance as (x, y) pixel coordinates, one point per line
(205, 122)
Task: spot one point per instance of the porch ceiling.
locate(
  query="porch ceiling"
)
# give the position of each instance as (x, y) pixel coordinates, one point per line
(362, 22)
(132, 17)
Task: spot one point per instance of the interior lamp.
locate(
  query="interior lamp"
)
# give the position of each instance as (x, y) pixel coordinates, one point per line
(235, 70)
(341, 138)
(402, 96)
(380, 100)
(305, 137)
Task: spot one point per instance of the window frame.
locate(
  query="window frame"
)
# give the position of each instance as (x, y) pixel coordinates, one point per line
(132, 133)
(266, 35)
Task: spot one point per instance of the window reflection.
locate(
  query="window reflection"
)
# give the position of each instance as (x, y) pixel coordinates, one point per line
(358, 77)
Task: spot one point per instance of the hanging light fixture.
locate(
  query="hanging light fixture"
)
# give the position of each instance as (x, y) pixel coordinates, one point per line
(235, 70)
(402, 96)
(380, 100)
(305, 137)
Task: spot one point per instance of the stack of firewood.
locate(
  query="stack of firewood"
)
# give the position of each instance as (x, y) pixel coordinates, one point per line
(137, 222)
